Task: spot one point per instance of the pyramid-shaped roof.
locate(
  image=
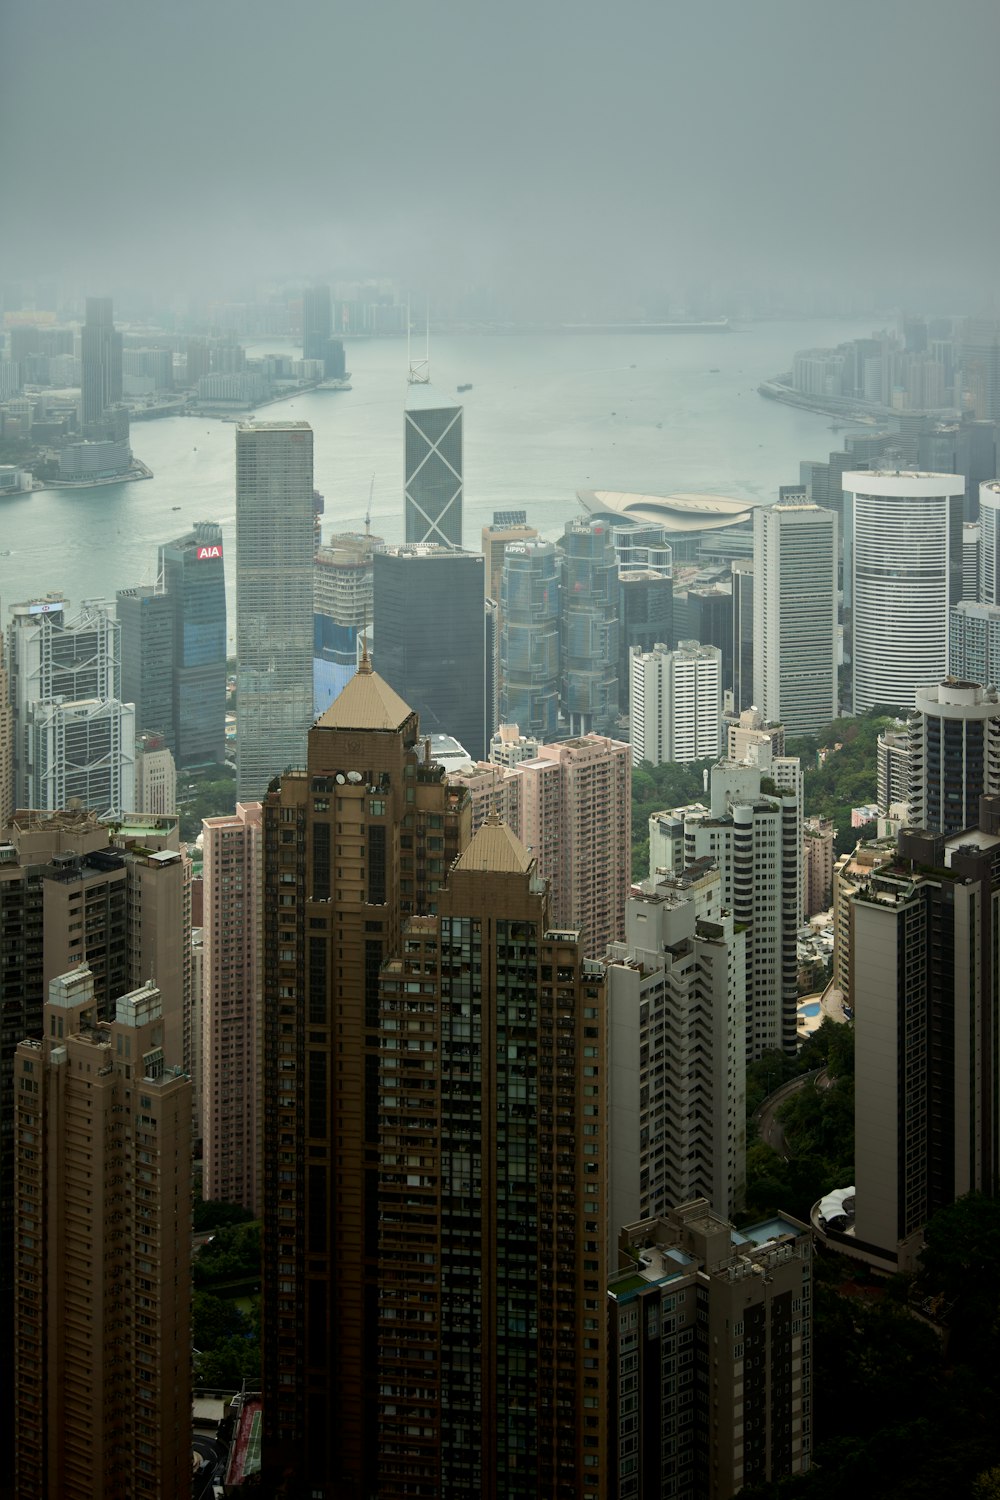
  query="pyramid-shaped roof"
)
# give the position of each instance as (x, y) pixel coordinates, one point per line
(365, 702)
(495, 846)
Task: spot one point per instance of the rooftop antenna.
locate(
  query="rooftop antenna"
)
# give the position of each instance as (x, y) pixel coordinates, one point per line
(420, 369)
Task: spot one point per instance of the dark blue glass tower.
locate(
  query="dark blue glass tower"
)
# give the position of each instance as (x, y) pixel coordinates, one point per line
(194, 578)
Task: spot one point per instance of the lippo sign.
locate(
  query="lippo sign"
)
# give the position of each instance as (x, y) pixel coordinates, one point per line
(214, 551)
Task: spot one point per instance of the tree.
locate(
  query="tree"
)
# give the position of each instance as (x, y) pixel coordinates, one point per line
(211, 1213)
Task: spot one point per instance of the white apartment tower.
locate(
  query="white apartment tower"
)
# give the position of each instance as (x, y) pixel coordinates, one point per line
(795, 615)
(676, 1051)
(903, 552)
(989, 542)
(755, 838)
(676, 702)
(274, 600)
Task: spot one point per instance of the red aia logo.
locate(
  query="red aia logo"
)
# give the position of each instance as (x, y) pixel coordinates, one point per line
(209, 552)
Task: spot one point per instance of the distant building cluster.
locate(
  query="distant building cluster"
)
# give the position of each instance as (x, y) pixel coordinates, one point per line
(934, 365)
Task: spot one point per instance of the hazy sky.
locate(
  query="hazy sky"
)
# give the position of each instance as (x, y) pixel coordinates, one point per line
(596, 149)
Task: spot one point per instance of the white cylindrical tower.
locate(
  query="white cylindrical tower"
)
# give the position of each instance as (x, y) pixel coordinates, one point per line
(906, 569)
(989, 542)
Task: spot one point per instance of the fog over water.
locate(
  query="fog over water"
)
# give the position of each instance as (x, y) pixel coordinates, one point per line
(546, 416)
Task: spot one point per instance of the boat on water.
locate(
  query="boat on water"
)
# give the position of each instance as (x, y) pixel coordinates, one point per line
(466, 387)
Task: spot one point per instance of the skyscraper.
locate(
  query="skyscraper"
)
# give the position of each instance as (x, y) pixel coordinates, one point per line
(146, 623)
(274, 600)
(589, 627)
(492, 1253)
(102, 1371)
(954, 754)
(529, 638)
(74, 737)
(193, 575)
(430, 637)
(101, 362)
(924, 986)
(742, 635)
(342, 608)
(229, 1007)
(507, 526)
(676, 699)
(317, 321)
(317, 332)
(432, 467)
(646, 616)
(980, 361)
(677, 1049)
(574, 810)
(173, 648)
(6, 742)
(989, 543)
(795, 615)
(373, 830)
(903, 548)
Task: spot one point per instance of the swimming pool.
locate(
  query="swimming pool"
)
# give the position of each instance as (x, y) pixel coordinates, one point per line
(810, 1009)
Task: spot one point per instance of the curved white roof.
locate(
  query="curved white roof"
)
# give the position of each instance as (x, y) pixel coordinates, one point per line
(678, 512)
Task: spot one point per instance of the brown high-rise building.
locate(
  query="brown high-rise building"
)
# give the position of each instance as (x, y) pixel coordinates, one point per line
(351, 846)
(492, 1195)
(102, 1302)
(6, 743)
(229, 1013)
(434, 1137)
(73, 891)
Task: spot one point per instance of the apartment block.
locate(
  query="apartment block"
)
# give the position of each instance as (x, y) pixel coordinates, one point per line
(711, 1350)
(230, 1018)
(492, 1193)
(576, 819)
(924, 987)
(755, 837)
(676, 992)
(676, 703)
(102, 1301)
(817, 865)
(850, 872)
(352, 846)
(491, 788)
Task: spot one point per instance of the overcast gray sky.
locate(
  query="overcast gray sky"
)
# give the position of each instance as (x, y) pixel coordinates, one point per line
(593, 150)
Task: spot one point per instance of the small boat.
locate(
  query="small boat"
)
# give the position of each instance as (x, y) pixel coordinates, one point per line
(466, 387)
(175, 507)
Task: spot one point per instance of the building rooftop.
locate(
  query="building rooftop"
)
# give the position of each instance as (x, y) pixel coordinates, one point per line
(274, 427)
(365, 702)
(678, 512)
(495, 847)
(421, 396)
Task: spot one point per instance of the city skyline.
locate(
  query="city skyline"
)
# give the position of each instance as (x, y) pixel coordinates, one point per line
(500, 922)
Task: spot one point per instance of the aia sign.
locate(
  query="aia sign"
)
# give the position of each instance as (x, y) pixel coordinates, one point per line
(215, 551)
